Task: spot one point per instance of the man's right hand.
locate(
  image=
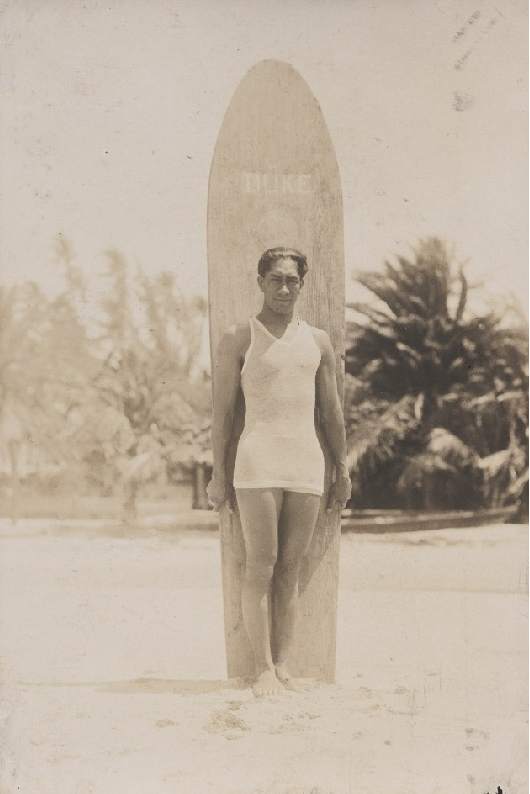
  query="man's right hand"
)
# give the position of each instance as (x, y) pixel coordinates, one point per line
(220, 493)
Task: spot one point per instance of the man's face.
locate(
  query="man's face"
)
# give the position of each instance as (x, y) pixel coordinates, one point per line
(281, 286)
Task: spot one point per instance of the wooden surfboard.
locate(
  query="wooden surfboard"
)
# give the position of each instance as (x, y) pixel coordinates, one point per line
(274, 181)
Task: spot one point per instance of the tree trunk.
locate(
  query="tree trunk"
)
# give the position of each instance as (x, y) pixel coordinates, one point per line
(199, 498)
(130, 492)
(14, 482)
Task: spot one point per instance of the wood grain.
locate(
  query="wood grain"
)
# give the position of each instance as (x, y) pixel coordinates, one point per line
(274, 181)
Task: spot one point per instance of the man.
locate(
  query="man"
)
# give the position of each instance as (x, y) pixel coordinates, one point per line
(283, 366)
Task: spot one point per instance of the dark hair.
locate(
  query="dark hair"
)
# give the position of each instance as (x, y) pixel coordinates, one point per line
(272, 255)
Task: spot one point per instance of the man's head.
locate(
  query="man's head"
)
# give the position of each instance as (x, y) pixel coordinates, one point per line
(281, 276)
(272, 255)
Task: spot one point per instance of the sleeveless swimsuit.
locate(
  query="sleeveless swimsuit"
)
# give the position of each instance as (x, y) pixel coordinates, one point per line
(279, 447)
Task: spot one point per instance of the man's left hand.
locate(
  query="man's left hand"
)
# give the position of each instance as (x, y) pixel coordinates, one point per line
(339, 493)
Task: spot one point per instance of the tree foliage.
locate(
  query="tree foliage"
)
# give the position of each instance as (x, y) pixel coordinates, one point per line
(118, 387)
(149, 388)
(44, 365)
(436, 390)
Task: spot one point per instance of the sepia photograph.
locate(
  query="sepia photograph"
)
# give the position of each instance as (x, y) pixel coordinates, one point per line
(264, 397)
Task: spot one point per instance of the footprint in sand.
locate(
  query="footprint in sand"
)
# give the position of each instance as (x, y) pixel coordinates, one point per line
(227, 724)
(363, 691)
(164, 723)
(291, 724)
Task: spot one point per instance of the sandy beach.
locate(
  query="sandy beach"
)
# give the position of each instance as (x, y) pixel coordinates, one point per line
(113, 668)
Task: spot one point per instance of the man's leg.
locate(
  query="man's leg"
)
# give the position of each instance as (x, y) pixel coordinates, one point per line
(259, 510)
(297, 523)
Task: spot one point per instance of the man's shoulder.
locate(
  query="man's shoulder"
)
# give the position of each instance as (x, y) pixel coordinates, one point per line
(237, 337)
(321, 337)
(240, 332)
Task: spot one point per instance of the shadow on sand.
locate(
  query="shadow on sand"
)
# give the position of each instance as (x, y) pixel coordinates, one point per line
(160, 686)
(152, 686)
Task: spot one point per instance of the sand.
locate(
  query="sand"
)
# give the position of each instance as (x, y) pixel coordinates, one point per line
(113, 669)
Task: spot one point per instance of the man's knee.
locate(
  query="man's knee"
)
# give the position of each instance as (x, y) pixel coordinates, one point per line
(259, 571)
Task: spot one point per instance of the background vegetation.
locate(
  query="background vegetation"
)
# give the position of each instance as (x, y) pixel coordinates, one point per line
(105, 389)
(107, 398)
(437, 397)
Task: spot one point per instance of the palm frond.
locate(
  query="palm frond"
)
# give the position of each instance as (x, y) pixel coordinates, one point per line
(376, 441)
(419, 469)
(450, 449)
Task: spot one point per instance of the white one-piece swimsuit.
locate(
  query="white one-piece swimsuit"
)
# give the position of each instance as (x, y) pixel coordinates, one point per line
(279, 447)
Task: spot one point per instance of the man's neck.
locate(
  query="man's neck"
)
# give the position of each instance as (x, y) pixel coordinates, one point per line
(273, 320)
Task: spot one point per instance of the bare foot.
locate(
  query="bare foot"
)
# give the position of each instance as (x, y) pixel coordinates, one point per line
(293, 684)
(267, 684)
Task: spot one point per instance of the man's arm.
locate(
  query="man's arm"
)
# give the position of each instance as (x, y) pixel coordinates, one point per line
(227, 383)
(332, 422)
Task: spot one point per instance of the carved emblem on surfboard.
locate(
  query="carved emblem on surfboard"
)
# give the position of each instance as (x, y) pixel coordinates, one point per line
(287, 184)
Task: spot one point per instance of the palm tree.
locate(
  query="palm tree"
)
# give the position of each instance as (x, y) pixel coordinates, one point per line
(435, 391)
